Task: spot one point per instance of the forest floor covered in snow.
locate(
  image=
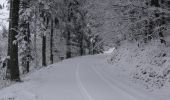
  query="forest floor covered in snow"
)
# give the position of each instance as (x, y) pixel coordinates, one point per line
(82, 78)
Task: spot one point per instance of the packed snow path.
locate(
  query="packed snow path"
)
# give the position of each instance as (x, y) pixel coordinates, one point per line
(73, 79)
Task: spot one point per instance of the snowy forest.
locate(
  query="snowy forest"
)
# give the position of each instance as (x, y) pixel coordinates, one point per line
(84, 49)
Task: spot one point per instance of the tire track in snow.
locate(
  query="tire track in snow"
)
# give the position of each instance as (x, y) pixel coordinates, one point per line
(111, 85)
(132, 92)
(81, 87)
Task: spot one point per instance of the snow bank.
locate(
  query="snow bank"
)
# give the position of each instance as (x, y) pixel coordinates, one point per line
(109, 51)
(147, 65)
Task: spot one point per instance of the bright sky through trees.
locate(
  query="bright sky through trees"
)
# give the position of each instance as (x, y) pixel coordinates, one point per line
(4, 14)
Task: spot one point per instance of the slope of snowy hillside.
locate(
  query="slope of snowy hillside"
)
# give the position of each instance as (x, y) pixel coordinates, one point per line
(146, 65)
(82, 78)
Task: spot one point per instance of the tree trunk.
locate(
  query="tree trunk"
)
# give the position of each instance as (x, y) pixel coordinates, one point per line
(44, 51)
(28, 49)
(46, 22)
(81, 45)
(68, 52)
(51, 42)
(35, 42)
(13, 67)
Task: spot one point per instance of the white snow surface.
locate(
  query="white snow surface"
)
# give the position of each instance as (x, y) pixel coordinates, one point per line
(109, 51)
(82, 78)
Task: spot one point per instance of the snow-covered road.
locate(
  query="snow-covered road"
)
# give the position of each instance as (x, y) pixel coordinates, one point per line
(73, 79)
(96, 88)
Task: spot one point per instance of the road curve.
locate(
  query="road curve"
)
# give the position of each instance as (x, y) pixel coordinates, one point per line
(72, 79)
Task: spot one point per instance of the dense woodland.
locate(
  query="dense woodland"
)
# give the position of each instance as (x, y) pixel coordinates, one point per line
(60, 27)
(42, 32)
